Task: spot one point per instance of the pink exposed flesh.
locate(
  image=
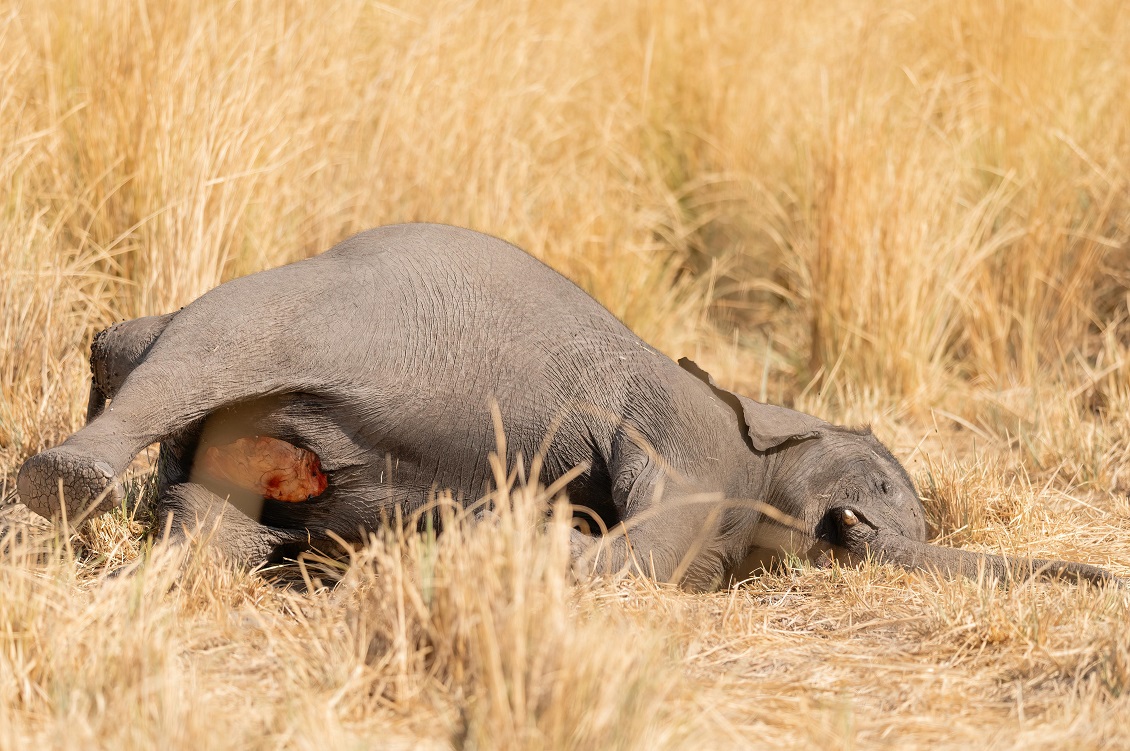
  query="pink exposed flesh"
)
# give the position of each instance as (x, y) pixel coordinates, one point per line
(272, 468)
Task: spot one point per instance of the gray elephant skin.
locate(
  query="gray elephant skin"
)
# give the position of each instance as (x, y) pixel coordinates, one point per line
(379, 361)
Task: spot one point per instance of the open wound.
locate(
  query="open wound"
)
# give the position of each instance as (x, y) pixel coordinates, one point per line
(267, 466)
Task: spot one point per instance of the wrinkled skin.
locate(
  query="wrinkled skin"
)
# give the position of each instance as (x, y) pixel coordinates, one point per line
(367, 375)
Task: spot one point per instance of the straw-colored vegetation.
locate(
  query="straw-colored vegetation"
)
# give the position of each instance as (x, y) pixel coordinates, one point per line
(913, 214)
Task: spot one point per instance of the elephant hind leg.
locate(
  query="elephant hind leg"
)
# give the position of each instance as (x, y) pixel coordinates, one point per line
(86, 467)
(171, 384)
(88, 479)
(193, 513)
(86, 486)
(115, 352)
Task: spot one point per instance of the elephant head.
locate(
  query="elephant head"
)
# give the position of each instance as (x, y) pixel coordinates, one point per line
(844, 494)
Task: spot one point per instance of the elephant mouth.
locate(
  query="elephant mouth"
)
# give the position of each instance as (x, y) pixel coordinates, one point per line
(844, 534)
(269, 467)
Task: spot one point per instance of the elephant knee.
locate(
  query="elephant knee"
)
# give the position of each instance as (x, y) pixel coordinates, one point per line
(190, 513)
(594, 555)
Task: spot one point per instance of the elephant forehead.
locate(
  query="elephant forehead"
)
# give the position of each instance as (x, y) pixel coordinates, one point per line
(267, 466)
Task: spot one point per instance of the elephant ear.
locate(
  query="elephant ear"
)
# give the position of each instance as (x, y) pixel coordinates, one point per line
(768, 425)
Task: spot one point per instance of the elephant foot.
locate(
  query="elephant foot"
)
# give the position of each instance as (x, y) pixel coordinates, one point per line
(88, 486)
(193, 513)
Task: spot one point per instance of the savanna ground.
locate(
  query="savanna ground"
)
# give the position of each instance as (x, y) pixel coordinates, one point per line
(909, 214)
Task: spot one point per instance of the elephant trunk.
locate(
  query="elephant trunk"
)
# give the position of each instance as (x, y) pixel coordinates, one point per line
(863, 540)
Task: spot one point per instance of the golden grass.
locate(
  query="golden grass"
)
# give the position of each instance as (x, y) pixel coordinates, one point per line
(910, 214)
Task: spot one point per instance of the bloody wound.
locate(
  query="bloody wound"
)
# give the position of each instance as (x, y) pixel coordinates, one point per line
(272, 468)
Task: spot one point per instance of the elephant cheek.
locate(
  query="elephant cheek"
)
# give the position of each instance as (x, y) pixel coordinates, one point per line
(267, 466)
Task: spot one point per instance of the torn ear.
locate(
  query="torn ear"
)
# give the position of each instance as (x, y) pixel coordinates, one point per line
(767, 425)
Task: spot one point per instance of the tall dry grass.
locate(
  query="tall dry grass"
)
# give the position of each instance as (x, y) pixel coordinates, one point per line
(470, 640)
(911, 214)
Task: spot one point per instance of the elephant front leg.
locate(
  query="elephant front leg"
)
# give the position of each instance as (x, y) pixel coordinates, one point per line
(193, 514)
(676, 540)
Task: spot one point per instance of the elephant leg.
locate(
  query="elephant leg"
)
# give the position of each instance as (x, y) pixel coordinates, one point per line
(193, 514)
(69, 476)
(165, 394)
(114, 354)
(674, 540)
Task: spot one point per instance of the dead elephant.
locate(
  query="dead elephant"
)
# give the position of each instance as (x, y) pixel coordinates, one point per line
(321, 395)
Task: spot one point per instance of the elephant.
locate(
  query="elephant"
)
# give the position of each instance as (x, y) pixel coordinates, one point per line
(324, 398)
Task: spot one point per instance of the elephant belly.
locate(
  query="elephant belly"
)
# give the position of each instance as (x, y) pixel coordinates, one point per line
(348, 463)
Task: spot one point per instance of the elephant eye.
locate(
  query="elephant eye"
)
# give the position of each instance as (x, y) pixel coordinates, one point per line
(884, 487)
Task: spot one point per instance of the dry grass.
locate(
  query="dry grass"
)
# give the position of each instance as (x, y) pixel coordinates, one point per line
(910, 214)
